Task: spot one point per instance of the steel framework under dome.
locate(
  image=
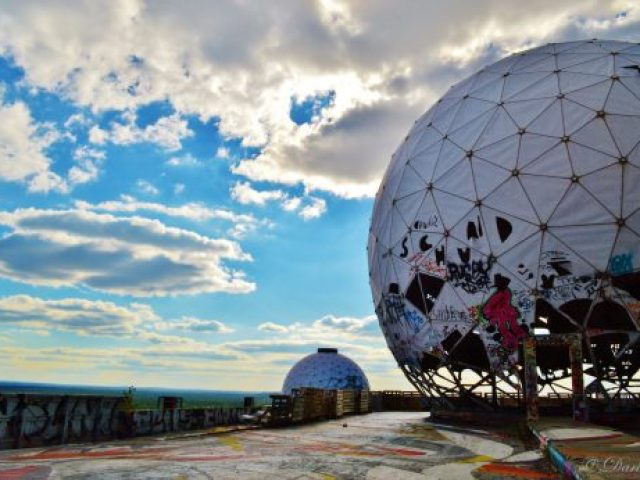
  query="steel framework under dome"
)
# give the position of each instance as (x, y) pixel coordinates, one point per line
(507, 228)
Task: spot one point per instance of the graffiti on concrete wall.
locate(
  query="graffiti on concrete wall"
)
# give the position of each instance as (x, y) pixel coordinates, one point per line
(161, 421)
(32, 420)
(37, 420)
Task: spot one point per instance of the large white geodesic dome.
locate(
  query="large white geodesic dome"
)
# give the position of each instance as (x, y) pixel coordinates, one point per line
(326, 369)
(514, 203)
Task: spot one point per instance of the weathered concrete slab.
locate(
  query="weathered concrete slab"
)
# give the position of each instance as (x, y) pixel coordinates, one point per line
(389, 445)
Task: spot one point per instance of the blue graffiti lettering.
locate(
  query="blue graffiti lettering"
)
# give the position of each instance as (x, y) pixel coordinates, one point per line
(621, 264)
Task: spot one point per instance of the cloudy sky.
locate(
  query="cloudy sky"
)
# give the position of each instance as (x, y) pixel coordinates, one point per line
(185, 187)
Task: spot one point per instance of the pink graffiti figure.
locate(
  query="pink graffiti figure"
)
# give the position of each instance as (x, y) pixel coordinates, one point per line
(501, 314)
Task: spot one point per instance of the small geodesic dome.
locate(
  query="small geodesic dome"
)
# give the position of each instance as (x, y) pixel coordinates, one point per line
(326, 369)
(514, 204)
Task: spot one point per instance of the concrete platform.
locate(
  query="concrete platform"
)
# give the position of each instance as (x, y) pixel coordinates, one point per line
(389, 445)
(591, 452)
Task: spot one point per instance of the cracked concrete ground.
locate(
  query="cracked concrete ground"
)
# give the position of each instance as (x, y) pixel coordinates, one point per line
(389, 445)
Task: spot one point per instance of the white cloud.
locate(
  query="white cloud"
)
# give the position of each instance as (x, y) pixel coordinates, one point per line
(222, 152)
(88, 162)
(272, 327)
(242, 63)
(76, 120)
(191, 324)
(315, 209)
(306, 207)
(84, 317)
(122, 255)
(167, 132)
(196, 211)
(44, 182)
(243, 224)
(23, 144)
(291, 204)
(147, 187)
(179, 188)
(187, 160)
(346, 324)
(244, 193)
(342, 329)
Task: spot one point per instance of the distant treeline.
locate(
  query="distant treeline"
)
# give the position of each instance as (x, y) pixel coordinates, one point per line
(143, 397)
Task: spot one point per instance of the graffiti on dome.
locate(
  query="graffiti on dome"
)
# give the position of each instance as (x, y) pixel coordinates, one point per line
(621, 263)
(469, 274)
(423, 243)
(403, 327)
(503, 321)
(413, 319)
(524, 302)
(474, 229)
(428, 338)
(558, 282)
(396, 341)
(431, 222)
(450, 314)
(423, 291)
(524, 272)
(421, 263)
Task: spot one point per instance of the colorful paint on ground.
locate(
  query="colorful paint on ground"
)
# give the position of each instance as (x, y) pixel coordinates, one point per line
(398, 445)
(586, 451)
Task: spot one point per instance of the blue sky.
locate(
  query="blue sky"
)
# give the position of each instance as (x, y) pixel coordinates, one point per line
(185, 192)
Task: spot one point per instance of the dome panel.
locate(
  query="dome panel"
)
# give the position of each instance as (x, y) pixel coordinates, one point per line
(511, 199)
(606, 186)
(593, 96)
(631, 180)
(596, 135)
(593, 66)
(503, 153)
(553, 163)
(625, 131)
(487, 176)
(622, 101)
(549, 122)
(524, 112)
(544, 202)
(572, 81)
(499, 127)
(576, 115)
(585, 160)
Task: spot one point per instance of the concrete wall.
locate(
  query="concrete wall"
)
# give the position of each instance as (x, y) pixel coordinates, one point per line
(30, 420)
(158, 421)
(33, 420)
